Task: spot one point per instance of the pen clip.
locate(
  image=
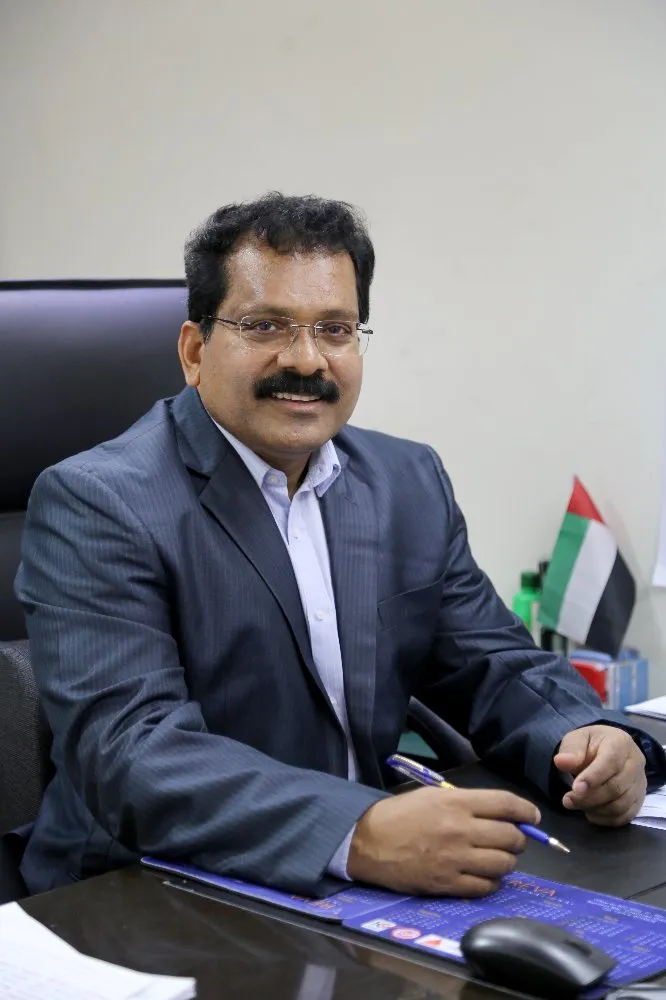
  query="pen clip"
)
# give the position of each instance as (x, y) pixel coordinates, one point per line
(398, 760)
(413, 770)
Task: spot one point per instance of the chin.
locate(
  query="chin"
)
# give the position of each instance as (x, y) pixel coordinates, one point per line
(301, 444)
(302, 440)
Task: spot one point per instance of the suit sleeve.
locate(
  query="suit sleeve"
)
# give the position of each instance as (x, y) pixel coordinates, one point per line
(488, 679)
(133, 743)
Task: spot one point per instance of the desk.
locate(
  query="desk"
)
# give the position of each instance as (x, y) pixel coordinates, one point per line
(653, 897)
(237, 950)
(242, 950)
(599, 855)
(655, 727)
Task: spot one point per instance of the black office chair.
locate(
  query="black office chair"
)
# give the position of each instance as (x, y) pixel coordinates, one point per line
(449, 747)
(25, 764)
(81, 360)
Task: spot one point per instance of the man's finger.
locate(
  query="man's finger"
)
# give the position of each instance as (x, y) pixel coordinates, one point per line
(469, 886)
(570, 763)
(502, 805)
(490, 864)
(606, 817)
(585, 797)
(609, 761)
(615, 806)
(500, 836)
(573, 752)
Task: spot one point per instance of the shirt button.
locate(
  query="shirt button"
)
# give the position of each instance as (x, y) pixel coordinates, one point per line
(319, 615)
(295, 533)
(334, 701)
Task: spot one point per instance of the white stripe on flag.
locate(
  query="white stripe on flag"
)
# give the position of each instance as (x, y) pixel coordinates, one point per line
(587, 581)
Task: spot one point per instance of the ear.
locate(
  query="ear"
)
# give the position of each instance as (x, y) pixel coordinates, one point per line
(191, 347)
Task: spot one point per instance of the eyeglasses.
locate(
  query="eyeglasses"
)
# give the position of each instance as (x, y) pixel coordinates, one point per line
(334, 338)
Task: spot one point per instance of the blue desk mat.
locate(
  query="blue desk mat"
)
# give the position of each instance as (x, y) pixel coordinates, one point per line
(634, 934)
(357, 900)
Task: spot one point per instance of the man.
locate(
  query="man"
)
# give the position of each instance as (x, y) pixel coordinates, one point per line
(230, 605)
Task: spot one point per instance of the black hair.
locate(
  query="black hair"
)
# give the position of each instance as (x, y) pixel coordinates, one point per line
(285, 223)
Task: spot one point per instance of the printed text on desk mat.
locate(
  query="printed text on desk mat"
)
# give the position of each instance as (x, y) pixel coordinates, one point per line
(634, 934)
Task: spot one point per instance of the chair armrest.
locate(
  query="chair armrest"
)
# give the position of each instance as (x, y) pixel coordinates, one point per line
(25, 739)
(450, 748)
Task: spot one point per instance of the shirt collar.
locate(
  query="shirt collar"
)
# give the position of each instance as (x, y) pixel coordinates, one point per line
(323, 467)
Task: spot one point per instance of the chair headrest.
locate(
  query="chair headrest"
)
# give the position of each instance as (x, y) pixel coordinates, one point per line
(81, 361)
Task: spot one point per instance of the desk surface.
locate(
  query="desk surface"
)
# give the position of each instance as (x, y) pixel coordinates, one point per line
(236, 950)
(241, 950)
(655, 727)
(599, 855)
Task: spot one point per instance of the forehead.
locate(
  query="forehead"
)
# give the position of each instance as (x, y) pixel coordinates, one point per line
(257, 274)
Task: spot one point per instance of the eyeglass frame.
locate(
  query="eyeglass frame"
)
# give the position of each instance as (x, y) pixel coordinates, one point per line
(294, 327)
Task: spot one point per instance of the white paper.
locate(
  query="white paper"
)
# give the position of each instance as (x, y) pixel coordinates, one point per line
(654, 708)
(653, 810)
(36, 964)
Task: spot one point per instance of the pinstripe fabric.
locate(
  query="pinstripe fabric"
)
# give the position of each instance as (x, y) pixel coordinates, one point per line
(302, 529)
(172, 654)
(303, 533)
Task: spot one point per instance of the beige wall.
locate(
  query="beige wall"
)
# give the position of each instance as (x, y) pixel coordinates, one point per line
(511, 157)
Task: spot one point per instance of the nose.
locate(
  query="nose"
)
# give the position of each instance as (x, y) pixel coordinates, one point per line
(303, 355)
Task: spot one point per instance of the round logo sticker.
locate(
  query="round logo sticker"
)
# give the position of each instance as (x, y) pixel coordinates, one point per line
(405, 933)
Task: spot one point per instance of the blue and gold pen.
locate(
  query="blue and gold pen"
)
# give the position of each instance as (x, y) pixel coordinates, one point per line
(418, 772)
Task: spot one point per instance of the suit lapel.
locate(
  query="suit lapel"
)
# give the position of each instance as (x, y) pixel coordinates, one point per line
(230, 494)
(351, 531)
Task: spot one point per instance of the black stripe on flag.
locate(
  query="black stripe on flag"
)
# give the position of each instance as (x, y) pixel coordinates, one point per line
(609, 625)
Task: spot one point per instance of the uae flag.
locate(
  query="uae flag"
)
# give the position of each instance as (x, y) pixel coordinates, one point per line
(588, 594)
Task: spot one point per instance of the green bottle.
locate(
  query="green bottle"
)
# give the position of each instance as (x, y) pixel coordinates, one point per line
(526, 602)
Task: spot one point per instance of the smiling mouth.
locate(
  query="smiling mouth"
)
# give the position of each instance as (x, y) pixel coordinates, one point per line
(293, 397)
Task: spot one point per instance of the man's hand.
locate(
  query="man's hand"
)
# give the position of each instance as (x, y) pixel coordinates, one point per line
(609, 773)
(433, 841)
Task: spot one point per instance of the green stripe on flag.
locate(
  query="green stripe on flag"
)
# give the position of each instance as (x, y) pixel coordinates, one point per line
(567, 547)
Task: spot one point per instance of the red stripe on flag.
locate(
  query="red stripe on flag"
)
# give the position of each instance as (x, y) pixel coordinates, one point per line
(581, 503)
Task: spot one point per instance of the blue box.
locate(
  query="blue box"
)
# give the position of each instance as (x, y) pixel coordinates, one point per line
(619, 682)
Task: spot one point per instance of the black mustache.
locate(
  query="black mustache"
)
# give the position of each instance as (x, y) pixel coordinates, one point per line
(297, 385)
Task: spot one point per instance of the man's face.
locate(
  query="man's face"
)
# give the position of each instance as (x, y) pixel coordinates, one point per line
(306, 287)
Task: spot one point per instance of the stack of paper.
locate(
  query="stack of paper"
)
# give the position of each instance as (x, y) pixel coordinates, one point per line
(653, 810)
(654, 708)
(35, 964)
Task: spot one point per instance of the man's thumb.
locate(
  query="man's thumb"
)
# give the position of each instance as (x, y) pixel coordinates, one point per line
(572, 753)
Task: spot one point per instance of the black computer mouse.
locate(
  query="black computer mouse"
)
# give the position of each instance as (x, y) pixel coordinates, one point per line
(534, 957)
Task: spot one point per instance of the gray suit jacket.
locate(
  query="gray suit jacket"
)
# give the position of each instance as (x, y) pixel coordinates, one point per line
(172, 654)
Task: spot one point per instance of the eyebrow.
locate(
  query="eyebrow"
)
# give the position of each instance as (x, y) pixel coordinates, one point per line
(272, 310)
(338, 314)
